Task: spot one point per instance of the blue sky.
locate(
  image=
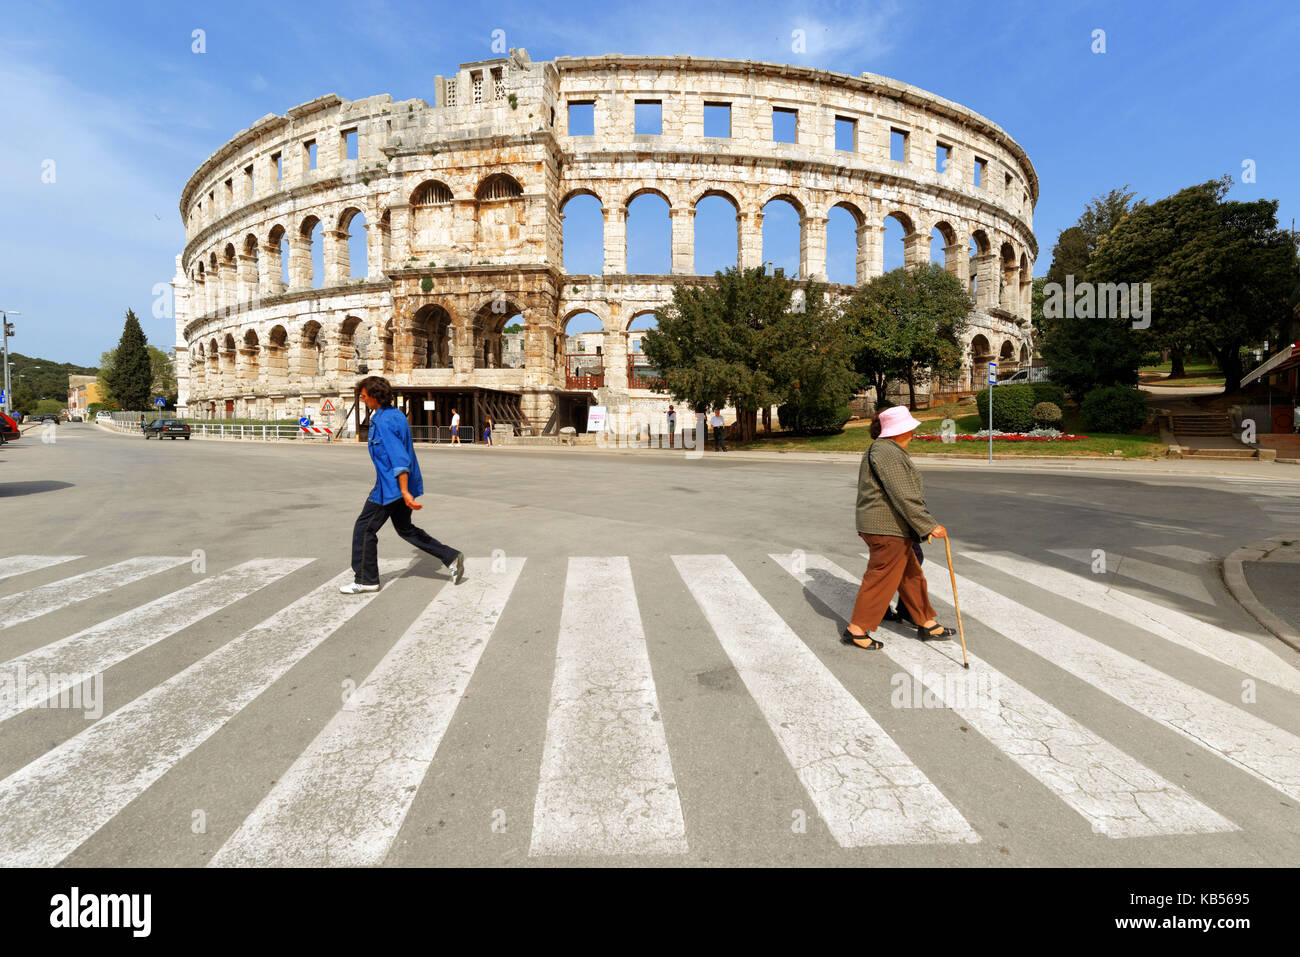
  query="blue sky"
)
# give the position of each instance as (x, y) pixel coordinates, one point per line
(114, 96)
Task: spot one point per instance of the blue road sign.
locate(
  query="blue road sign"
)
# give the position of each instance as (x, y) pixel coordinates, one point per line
(993, 373)
(304, 420)
(159, 401)
(2, 395)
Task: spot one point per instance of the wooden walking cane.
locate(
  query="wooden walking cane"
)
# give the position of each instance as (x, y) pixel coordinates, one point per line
(955, 604)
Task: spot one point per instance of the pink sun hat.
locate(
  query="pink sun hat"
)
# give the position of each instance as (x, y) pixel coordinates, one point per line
(896, 420)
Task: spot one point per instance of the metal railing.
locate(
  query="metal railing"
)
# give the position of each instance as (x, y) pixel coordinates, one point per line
(439, 434)
(130, 423)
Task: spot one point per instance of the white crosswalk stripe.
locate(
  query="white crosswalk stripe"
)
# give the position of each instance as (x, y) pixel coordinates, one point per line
(344, 799)
(1158, 576)
(1118, 796)
(1263, 750)
(44, 599)
(607, 784)
(52, 805)
(865, 788)
(22, 564)
(1182, 629)
(98, 648)
(1182, 553)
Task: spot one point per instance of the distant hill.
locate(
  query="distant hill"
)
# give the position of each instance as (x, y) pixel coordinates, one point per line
(46, 379)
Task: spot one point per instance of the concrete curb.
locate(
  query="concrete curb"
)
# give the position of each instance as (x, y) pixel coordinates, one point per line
(1234, 576)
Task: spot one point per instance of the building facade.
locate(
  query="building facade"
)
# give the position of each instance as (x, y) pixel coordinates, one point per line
(462, 208)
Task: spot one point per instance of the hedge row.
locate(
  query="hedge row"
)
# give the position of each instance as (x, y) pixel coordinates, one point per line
(1013, 406)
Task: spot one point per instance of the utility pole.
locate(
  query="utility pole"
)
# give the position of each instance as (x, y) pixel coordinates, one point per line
(8, 331)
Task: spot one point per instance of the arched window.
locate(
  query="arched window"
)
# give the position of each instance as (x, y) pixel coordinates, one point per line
(583, 225)
(649, 235)
(717, 233)
(781, 236)
(499, 186)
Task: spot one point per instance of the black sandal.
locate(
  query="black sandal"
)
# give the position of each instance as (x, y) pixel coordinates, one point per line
(849, 638)
(927, 634)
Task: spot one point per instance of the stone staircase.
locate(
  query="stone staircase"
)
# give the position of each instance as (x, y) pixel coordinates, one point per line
(1202, 424)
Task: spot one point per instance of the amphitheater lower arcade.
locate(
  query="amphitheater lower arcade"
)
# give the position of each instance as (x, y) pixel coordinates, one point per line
(412, 241)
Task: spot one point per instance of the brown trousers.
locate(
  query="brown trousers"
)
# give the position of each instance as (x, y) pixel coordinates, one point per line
(891, 568)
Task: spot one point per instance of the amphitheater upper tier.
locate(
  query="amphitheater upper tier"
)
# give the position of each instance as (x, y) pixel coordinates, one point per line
(462, 207)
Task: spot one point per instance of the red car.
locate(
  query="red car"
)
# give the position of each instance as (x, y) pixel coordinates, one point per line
(8, 428)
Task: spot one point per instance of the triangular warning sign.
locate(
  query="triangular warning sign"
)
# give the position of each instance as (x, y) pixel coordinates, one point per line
(328, 406)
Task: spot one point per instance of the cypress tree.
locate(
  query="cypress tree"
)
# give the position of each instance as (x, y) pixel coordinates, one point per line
(132, 373)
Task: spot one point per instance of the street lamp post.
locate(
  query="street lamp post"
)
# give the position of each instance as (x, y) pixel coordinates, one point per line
(8, 331)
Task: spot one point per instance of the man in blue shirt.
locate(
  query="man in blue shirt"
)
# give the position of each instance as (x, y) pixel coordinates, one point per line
(397, 485)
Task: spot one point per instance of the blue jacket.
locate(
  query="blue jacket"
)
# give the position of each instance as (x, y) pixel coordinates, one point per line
(392, 452)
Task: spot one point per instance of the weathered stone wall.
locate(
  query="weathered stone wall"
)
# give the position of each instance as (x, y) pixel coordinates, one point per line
(463, 205)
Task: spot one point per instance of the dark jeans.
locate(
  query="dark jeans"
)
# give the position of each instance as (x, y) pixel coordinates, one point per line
(719, 440)
(365, 539)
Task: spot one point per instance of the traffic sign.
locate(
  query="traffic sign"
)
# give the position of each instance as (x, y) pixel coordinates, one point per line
(328, 406)
(993, 373)
(2, 395)
(304, 421)
(160, 401)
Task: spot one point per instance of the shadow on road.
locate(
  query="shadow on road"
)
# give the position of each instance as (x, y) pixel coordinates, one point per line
(10, 489)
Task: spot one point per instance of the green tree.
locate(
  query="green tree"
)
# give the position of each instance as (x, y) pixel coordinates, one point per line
(809, 352)
(740, 342)
(908, 324)
(131, 374)
(163, 371)
(1221, 272)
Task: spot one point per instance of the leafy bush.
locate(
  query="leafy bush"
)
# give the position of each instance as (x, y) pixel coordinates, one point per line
(1013, 406)
(1113, 408)
(1046, 414)
(825, 418)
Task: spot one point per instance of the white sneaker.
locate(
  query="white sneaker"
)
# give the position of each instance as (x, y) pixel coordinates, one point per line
(357, 588)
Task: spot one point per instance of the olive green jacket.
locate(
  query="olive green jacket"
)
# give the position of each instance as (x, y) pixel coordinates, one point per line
(898, 508)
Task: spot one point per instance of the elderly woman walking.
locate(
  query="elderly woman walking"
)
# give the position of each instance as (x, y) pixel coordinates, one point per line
(891, 518)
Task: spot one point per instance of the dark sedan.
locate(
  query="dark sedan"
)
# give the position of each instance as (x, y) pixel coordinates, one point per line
(167, 428)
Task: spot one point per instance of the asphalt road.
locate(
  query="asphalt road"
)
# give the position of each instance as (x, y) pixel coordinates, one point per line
(642, 666)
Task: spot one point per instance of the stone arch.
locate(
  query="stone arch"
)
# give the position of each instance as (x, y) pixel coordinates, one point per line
(844, 243)
(249, 354)
(311, 350)
(584, 353)
(576, 191)
(717, 191)
(947, 252)
(903, 232)
(785, 194)
(980, 350)
(432, 329)
(1009, 288)
(1026, 285)
(648, 320)
(648, 191)
(582, 232)
(488, 329)
(499, 213)
(431, 192)
(714, 228)
(649, 231)
(979, 249)
(352, 266)
(782, 234)
(304, 271)
(352, 345)
(499, 186)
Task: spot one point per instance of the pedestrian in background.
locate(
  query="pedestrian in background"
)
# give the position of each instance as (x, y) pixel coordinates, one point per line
(719, 440)
(672, 424)
(891, 519)
(455, 427)
(397, 486)
(487, 432)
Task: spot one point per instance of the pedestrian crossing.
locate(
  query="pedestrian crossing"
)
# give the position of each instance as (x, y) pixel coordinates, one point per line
(606, 785)
(1278, 499)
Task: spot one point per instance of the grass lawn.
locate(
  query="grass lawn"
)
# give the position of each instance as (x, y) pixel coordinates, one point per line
(856, 437)
(1199, 373)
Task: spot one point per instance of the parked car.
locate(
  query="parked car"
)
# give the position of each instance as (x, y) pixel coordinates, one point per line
(1025, 376)
(105, 417)
(167, 428)
(48, 417)
(8, 428)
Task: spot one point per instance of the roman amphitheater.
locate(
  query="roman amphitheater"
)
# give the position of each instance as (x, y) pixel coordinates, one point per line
(459, 209)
